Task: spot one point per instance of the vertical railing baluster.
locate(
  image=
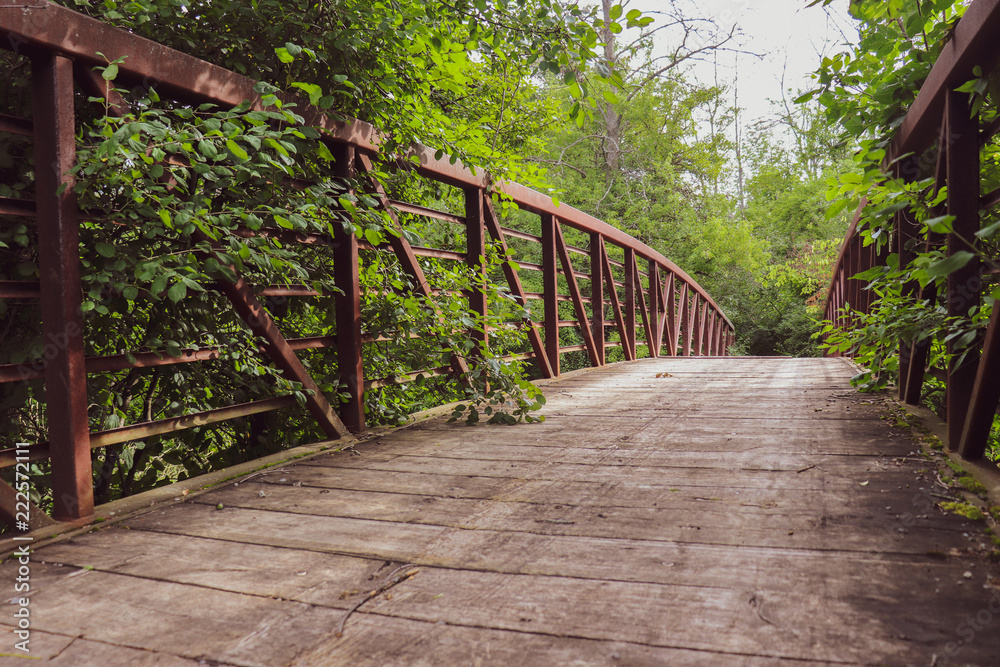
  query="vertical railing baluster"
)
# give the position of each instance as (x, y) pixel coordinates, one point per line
(61, 295)
(670, 314)
(963, 203)
(630, 298)
(597, 295)
(689, 302)
(475, 257)
(655, 299)
(347, 278)
(985, 395)
(550, 282)
(697, 325)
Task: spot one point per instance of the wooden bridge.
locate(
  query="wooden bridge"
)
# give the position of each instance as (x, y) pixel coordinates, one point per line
(711, 511)
(682, 508)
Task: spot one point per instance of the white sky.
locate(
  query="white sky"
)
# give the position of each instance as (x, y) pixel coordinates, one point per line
(787, 35)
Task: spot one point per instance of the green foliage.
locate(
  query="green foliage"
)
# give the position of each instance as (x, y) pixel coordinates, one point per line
(869, 87)
(449, 75)
(963, 509)
(177, 200)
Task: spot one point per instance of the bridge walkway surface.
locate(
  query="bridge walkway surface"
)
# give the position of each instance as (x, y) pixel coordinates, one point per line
(681, 511)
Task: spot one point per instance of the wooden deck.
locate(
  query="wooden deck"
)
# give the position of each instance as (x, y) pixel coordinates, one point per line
(734, 512)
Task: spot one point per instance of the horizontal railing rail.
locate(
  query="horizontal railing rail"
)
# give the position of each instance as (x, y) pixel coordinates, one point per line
(615, 287)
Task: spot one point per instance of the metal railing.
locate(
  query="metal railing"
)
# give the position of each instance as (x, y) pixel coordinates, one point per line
(941, 137)
(643, 291)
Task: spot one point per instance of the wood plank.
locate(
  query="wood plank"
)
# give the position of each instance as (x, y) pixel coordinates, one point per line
(750, 521)
(663, 520)
(376, 642)
(573, 574)
(174, 619)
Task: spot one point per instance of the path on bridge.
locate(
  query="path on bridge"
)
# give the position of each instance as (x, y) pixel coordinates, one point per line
(688, 511)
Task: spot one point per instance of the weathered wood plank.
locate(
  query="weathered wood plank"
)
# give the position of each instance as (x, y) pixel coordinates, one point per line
(376, 642)
(174, 619)
(731, 512)
(842, 527)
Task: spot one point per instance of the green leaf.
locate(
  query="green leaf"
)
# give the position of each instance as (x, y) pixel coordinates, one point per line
(836, 208)
(314, 91)
(949, 265)
(110, 72)
(208, 149)
(941, 225)
(105, 249)
(988, 231)
(236, 150)
(284, 56)
(177, 292)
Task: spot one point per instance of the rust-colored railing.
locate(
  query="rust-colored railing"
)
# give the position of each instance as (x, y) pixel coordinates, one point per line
(675, 315)
(940, 137)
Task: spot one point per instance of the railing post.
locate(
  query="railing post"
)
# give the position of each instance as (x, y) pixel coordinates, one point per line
(61, 294)
(550, 282)
(716, 332)
(655, 299)
(630, 300)
(475, 257)
(698, 326)
(963, 285)
(985, 395)
(347, 278)
(671, 316)
(597, 295)
(689, 301)
(709, 330)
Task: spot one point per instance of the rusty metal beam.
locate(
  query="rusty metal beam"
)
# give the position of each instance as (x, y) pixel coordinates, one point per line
(630, 300)
(574, 291)
(517, 289)
(259, 321)
(597, 297)
(346, 272)
(20, 289)
(61, 296)
(174, 424)
(23, 207)
(964, 285)
(973, 43)
(647, 326)
(550, 287)
(10, 502)
(401, 247)
(655, 309)
(984, 396)
(475, 259)
(669, 321)
(15, 125)
(687, 318)
(616, 308)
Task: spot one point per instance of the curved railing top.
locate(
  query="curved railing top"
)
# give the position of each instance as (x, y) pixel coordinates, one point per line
(56, 28)
(973, 43)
